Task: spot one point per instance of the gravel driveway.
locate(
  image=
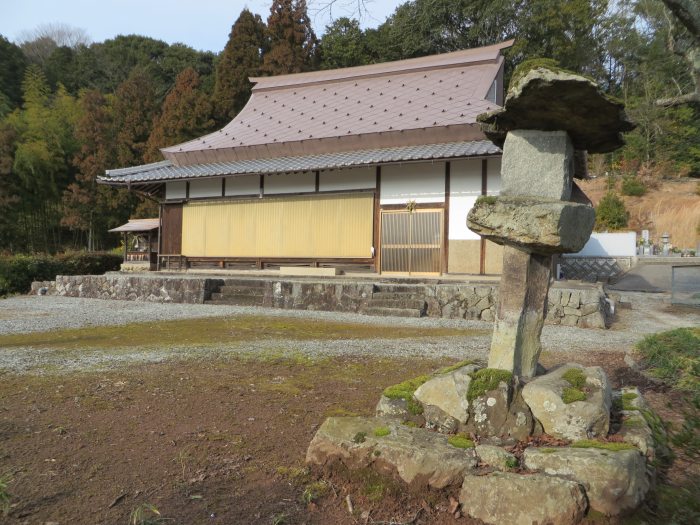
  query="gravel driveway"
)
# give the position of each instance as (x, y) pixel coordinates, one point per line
(650, 313)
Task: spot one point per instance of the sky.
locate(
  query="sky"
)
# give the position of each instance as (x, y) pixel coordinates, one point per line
(201, 24)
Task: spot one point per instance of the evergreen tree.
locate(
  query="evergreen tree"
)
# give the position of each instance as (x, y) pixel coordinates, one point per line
(135, 107)
(89, 209)
(343, 45)
(186, 115)
(292, 42)
(611, 214)
(12, 64)
(242, 58)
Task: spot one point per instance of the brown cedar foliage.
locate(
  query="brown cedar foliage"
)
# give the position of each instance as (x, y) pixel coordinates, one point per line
(241, 58)
(186, 115)
(134, 109)
(293, 44)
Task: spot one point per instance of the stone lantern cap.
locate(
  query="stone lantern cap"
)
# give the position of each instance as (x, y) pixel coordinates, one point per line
(551, 99)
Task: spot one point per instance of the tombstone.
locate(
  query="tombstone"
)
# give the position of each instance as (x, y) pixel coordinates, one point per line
(549, 120)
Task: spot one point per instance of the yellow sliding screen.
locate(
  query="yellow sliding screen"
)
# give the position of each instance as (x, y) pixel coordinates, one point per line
(318, 226)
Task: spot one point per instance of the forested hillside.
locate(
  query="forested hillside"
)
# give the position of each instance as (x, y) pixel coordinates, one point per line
(69, 109)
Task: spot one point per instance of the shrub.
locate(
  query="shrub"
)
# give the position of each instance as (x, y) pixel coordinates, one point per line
(633, 187)
(611, 213)
(18, 271)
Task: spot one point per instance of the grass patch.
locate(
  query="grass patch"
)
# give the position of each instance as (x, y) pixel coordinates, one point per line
(381, 431)
(611, 446)
(405, 391)
(571, 395)
(674, 357)
(452, 368)
(485, 380)
(486, 199)
(375, 486)
(627, 399)
(460, 441)
(547, 450)
(577, 379)
(215, 330)
(314, 491)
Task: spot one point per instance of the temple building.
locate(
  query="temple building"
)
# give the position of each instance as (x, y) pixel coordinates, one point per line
(369, 168)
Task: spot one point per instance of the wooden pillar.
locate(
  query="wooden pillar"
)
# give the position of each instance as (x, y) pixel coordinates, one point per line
(482, 242)
(126, 244)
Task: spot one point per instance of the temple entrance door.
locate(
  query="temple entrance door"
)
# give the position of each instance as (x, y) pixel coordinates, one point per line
(411, 242)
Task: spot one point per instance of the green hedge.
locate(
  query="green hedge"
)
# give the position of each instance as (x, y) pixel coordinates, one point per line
(18, 271)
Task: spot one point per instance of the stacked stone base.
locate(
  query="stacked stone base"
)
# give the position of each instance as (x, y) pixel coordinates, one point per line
(534, 459)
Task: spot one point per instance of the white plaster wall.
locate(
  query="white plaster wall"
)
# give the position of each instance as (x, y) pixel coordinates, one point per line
(205, 188)
(622, 244)
(242, 185)
(421, 182)
(493, 176)
(176, 189)
(290, 183)
(349, 179)
(465, 188)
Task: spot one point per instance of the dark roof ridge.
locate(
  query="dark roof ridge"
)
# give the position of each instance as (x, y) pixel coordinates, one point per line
(474, 56)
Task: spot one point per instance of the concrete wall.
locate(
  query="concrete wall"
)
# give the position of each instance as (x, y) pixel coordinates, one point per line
(622, 244)
(421, 182)
(176, 190)
(349, 179)
(290, 183)
(242, 185)
(205, 188)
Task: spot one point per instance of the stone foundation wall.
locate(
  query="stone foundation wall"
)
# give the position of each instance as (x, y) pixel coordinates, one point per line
(582, 305)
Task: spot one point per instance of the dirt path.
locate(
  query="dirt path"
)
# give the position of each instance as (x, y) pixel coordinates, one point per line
(94, 424)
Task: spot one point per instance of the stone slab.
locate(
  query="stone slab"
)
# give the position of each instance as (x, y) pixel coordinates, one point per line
(533, 224)
(415, 454)
(537, 163)
(614, 481)
(551, 100)
(507, 498)
(308, 271)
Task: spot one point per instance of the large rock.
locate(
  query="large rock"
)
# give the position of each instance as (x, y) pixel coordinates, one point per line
(501, 413)
(515, 345)
(533, 224)
(539, 163)
(507, 498)
(415, 454)
(448, 393)
(548, 99)
(614, 481)
(575, 420)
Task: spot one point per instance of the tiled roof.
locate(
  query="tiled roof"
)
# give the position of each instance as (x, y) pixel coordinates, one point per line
(163, 171)
(138, 225)
(396, 103)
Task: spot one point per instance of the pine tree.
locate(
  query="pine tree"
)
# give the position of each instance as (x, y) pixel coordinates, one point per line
(242, 58)
(135, 106)
(343, 45)
(186, 115)
(293, 44)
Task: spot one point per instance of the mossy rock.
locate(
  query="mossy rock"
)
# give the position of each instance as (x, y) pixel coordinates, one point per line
(486, 380)
(613, 446)
(460, 441)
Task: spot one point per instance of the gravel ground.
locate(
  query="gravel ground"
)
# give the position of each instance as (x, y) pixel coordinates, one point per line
(650, 313)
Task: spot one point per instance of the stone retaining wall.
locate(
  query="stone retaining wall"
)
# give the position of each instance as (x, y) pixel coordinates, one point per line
(594, 269)
(582, 305)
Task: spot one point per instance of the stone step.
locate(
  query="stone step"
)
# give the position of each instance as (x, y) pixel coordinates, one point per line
(415, 304)
(397, 295)
(241, 290)
(392, 312)
(237, 300)
(246, 283)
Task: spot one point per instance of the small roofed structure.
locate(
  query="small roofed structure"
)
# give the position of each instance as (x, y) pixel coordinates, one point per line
(143, 251)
